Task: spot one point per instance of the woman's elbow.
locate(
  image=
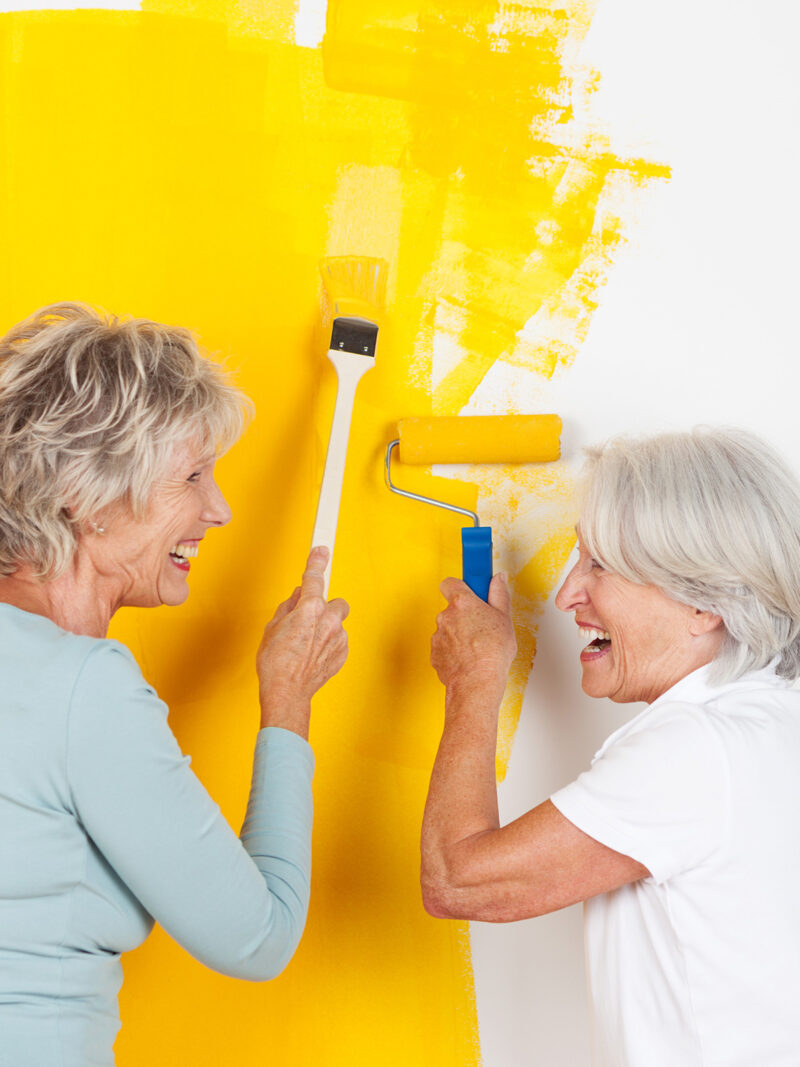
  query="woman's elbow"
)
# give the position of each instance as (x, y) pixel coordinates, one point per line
(436, 901)
(260, 966)
(436, 886)
(490, 902)
(262, 954)
(266, 972)
(443, 900)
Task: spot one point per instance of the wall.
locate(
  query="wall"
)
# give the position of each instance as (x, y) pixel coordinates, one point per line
(696, 324)
(614, 248)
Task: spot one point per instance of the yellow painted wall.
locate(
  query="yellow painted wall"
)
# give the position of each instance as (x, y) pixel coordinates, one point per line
(190, 163)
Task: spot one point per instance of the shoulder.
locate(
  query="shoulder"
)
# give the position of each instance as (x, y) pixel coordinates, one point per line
(48, 662)
(109, 690)
(674, 724)
(696, 709)
(114, 716)
(63, 666)
(667, 759)
(105, 660)
(755, 693)
(757, 709)
(658, 790)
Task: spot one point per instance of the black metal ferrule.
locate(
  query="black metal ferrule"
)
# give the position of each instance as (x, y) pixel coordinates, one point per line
(354, 335)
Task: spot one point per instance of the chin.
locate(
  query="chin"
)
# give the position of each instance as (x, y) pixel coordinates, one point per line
(173, 597)
(591, 687)
(176, 599)
(600, 690)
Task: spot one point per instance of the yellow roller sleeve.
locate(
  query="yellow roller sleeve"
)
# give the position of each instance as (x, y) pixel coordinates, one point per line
(480, 439)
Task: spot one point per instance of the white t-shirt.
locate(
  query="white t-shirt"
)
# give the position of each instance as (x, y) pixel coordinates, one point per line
(698, 965)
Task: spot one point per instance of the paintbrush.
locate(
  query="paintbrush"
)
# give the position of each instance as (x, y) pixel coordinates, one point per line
(356, 288)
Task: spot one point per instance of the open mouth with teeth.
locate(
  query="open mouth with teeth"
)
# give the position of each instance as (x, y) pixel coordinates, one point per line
(599, 642)
(181, 553)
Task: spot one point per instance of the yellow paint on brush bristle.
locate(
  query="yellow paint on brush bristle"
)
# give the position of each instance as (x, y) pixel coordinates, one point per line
(190, 163)
(480, 439)
(356, 286)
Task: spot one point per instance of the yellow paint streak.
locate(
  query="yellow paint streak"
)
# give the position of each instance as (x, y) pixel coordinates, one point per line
(531, 587)
(526, 197)
(191, 164)
(251, 19)
(536, 579)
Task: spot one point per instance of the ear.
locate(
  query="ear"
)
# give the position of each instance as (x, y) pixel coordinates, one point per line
(703, 622)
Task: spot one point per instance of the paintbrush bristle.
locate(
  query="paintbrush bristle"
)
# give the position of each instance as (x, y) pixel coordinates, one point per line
(356, 285)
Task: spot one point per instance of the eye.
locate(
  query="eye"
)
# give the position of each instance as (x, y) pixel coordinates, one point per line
(595, 564)
(195, 477)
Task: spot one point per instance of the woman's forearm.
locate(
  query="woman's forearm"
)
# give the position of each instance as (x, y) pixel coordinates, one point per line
(462, 797)
(277, 835)
(471, 651)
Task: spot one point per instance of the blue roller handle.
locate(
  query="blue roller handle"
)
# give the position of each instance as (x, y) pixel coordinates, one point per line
(476, 544)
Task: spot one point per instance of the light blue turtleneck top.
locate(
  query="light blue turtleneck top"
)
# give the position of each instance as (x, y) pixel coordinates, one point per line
(104, 828)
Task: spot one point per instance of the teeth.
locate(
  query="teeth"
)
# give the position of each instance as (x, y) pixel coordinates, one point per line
(185, 551)
(590, 634)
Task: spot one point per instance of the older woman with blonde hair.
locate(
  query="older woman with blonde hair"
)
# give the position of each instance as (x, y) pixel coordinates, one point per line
(682, 838)
(109, 431)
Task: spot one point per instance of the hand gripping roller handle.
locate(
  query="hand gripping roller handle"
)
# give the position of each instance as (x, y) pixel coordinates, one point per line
(476, 540)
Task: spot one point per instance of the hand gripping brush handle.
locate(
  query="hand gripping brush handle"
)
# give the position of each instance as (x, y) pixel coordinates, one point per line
(474, 439)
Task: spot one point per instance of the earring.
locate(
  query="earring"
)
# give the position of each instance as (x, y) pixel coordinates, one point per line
(97, 529)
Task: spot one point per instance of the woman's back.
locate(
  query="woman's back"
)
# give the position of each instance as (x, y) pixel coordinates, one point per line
(65, 915)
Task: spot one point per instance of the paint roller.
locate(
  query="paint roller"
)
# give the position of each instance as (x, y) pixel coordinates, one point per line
(474, 439)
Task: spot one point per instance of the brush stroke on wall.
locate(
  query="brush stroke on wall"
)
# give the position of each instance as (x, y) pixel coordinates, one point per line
(191, 162)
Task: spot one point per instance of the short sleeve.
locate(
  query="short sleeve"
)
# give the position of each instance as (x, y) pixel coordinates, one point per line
(239, 906)
(658, 794)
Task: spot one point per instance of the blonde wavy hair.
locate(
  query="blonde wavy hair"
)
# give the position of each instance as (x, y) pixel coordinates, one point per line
(91, 408)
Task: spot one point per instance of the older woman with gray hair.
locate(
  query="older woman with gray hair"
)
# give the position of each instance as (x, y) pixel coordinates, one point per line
(682, 838)
(109, 431)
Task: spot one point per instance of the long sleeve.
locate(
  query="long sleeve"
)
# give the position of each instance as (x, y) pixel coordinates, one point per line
(239, 906)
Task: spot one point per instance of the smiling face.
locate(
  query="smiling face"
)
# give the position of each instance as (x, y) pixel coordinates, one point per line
(641, 642)
(145, 562)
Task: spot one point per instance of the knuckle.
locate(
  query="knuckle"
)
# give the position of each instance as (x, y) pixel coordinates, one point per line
(313, 604)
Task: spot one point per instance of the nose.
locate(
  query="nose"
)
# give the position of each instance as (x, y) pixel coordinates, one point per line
(216, 511)
(572, 594)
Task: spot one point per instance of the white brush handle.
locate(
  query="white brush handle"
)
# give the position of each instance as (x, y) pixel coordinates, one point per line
(350, 367)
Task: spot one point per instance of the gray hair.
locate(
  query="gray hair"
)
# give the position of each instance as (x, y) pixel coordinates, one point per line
(711, 517)
(91, 409)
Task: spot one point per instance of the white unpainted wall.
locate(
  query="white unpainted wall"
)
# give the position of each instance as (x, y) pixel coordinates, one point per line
(698, 324)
